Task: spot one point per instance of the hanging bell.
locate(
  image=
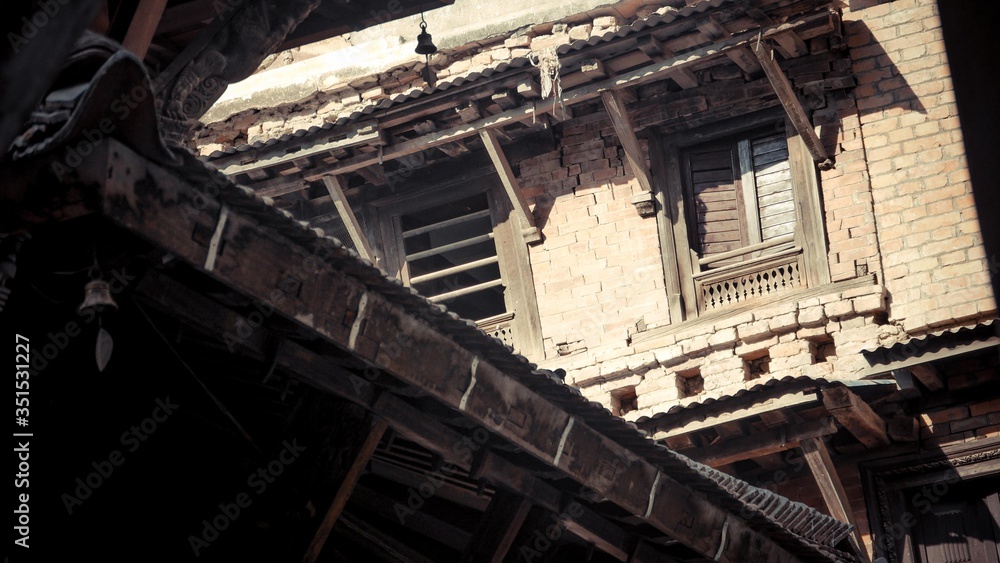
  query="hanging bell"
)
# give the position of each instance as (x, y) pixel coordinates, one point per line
(97, 296)
(425, 45)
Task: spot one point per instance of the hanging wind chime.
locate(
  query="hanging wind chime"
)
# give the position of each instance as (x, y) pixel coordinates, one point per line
(426, 47)
(97, 298)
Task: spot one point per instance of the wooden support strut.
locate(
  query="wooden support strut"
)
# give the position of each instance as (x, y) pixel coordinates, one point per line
(510, 185)
(786, 95)
(146, 200)
(834, 495)
(335, 186)
(344, 492)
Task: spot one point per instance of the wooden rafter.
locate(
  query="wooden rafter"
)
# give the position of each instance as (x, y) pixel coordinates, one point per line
(929, 375)
(365, 134)
(510, 185)
(796, 113)
(854, 413)
(143, 26)
(357, 319)
(335, 186)
(830, 486)
(711, 27)
(657, 51)
(346, 488)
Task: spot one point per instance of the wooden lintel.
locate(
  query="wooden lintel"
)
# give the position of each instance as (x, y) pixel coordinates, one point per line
(335, 186)
(352, 315)
(510, 184)
(143, 26)
(854, 414)
(346, 488)
(929, 375)
(768, 442)
(830, 486)
(796, 113)
(497, 528)
(622, 123)
(528, 89)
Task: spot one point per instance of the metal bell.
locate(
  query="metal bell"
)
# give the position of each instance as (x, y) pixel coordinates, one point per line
(425, 46)
(97, 296)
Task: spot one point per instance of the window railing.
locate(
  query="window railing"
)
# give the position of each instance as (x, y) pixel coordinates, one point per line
(734, 283)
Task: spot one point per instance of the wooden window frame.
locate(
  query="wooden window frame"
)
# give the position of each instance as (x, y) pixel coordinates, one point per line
(512, 253)
(885, 482)
(680, 260)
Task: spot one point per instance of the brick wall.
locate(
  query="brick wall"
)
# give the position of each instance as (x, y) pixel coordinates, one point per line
(928, 232)
(599, 270)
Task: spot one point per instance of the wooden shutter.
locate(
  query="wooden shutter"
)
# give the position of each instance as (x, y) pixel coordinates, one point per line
(773, 182)
(718, 208)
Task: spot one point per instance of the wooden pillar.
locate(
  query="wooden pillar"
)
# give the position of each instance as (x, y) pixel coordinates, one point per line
(832, 489)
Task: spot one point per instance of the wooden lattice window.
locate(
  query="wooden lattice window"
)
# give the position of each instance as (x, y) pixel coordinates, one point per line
(741, 218)
(457, 245)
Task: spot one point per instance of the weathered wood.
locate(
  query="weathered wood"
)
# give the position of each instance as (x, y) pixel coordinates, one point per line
(672, 226)
(786, 94)
(714, 31)
(335, 305)
(346, 488)
(510, 183)
(929, 375)
(854, 413)
(622, 123)
(594, 69)
(143, 26)
(497, 528)
(764, 443)
(421, 521)
(805, 188)
(830, 486)
(335, 186)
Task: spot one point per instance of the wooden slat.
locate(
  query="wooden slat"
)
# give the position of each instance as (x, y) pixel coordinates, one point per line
(454, 270)
(464, 291)
(344, 492)
(830, 486)
(143, 26)
(335, 186)
(449, 247)
(854, 413)
(786, 94)
(446, 223)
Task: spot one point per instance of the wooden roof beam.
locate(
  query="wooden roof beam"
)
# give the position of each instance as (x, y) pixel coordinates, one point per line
(657, 51)
(930, 376)
(853, 413)
(830, 486)
(511, 185)
(348, 314)
(796, 113)
(764, 443)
